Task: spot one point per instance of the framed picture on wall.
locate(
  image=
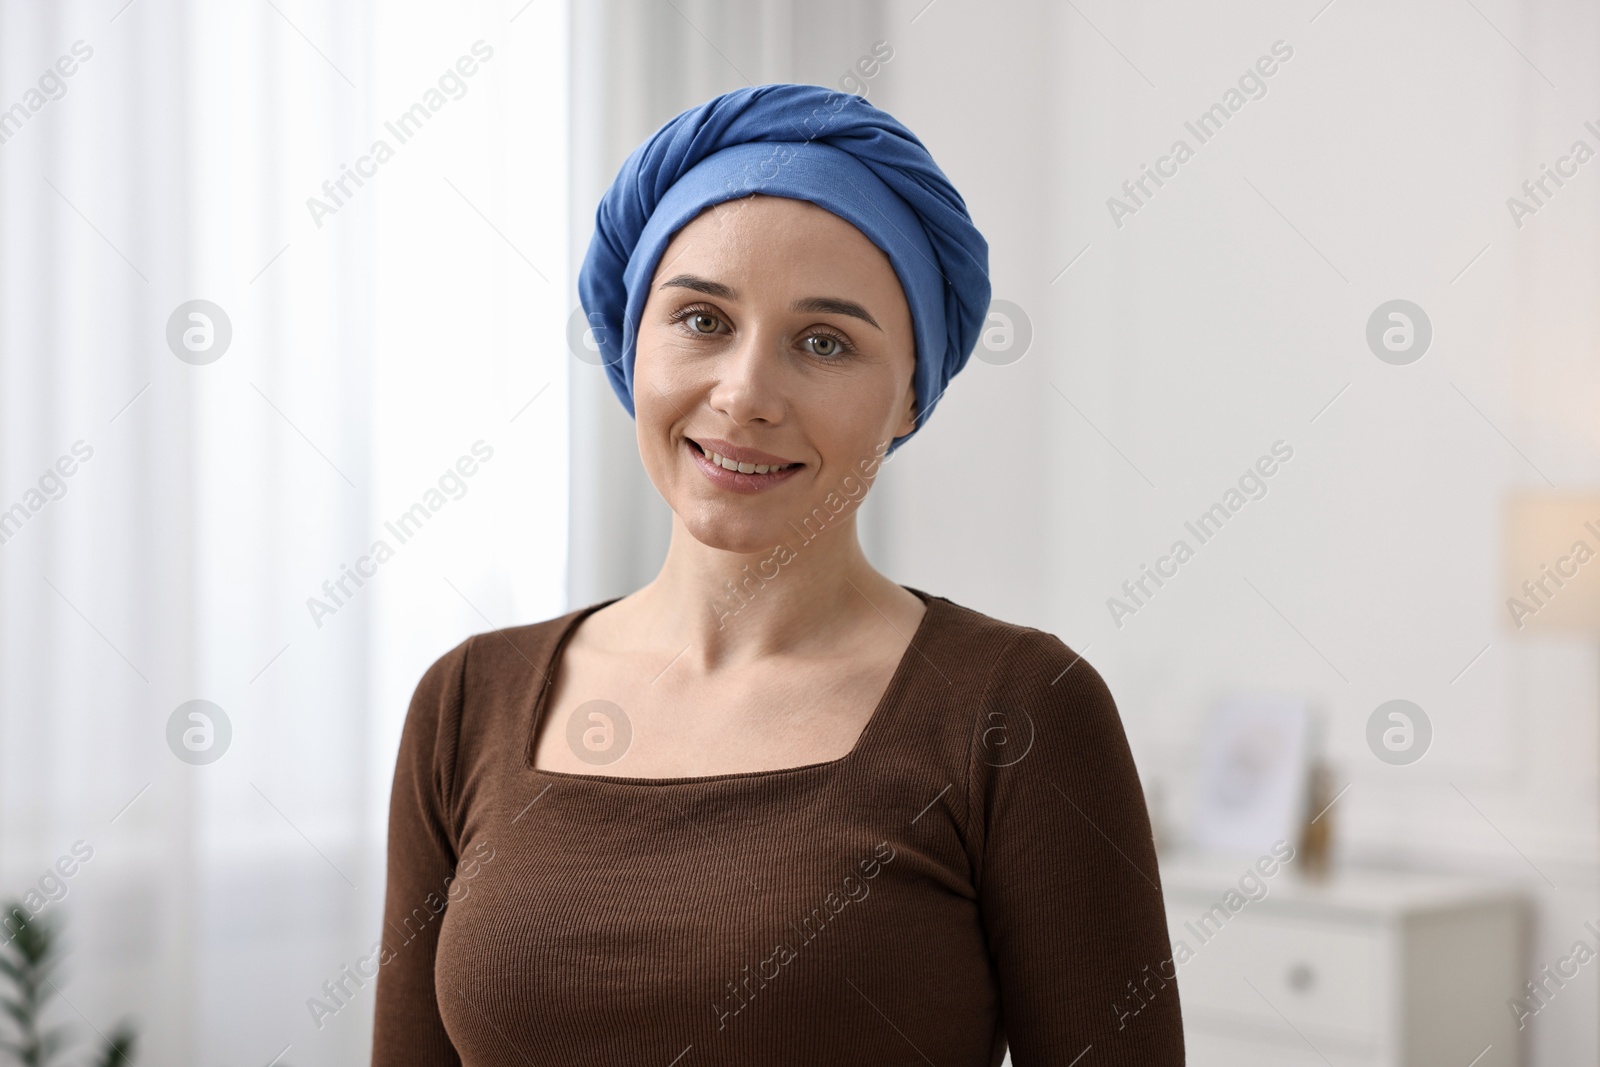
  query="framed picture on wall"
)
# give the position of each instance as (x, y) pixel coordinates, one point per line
(1253, 778)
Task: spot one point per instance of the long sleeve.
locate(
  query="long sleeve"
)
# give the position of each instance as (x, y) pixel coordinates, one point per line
(1068, 886)
(407, 1027)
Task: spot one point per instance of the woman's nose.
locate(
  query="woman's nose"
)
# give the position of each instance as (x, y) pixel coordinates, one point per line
(749, 380)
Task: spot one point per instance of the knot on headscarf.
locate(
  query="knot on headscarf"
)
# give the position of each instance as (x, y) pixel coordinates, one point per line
(809, 143)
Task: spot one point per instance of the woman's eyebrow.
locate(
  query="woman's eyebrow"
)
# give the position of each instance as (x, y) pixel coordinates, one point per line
(700, 285)
(832, 305)
(823, 305)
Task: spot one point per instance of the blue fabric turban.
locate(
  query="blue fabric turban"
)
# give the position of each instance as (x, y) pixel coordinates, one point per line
(809, 143)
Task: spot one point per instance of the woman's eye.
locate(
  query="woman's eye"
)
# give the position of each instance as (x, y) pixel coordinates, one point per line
(821, 344)
(700, 322)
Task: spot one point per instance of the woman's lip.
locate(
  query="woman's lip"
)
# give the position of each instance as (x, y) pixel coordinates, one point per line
(734, 481)
(739, 453)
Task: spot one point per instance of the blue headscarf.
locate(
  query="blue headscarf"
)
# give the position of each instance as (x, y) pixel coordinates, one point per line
(809, 143)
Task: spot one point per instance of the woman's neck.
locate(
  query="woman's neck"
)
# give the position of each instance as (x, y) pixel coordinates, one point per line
(731, 607)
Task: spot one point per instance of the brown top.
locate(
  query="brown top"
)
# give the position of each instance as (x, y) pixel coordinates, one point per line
(977, 871)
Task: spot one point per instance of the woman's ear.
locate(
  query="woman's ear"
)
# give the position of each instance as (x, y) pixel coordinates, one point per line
(909, 420)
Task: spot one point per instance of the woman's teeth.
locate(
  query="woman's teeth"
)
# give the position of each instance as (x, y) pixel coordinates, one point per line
(746, 468)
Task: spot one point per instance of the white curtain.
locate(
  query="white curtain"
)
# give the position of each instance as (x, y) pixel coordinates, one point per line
(397, 343)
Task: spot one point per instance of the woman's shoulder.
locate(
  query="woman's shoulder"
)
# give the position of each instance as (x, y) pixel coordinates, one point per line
(1046, 733)
(474, 695)
(1012, 658)
(507, 660)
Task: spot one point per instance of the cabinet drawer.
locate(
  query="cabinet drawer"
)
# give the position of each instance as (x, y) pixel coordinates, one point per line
(1205, 1049)
(1281, 973)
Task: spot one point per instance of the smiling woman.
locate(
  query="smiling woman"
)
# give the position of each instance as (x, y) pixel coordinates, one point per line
(819, 380)
(786, 283)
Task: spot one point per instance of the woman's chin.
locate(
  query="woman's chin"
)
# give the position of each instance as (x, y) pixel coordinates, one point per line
(741, 534)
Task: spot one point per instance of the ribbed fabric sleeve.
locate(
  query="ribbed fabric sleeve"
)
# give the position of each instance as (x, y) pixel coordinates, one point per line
(1068, 885)
(976, 872)
(421, 865)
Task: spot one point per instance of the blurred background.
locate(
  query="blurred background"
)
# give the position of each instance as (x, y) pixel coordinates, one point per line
(270, 269)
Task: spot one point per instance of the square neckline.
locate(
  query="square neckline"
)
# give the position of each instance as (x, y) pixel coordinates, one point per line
(897, 680)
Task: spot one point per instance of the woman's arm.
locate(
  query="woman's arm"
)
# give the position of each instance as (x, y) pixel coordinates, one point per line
(422, 859)
(1068, 885)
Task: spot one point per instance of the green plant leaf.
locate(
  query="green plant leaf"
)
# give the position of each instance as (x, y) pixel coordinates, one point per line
(120, 1047)
(17, 1010)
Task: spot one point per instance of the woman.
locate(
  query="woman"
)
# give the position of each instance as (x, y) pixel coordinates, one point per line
(773, 808)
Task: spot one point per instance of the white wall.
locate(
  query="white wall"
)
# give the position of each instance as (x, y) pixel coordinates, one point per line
(1205, 328)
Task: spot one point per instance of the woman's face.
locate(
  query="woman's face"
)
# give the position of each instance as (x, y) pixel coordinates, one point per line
(776, 336)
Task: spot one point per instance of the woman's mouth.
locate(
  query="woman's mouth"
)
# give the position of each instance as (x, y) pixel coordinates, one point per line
(730, 466)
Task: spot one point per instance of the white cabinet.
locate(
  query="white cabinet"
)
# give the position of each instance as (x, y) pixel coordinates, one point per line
(1370, 969)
